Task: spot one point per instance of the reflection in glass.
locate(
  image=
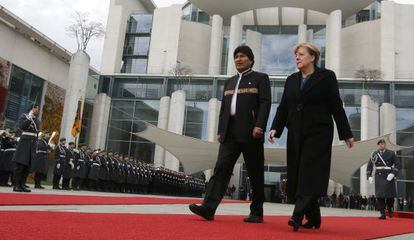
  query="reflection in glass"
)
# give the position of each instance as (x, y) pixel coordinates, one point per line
(137, 46)
(140, 23)
(277, 54)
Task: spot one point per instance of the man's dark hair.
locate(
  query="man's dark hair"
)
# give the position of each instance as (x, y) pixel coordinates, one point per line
(246, 50)
(33, 106)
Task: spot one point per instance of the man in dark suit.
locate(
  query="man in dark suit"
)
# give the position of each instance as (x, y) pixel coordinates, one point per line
(386, 166)
(243, 117)
(28, 125)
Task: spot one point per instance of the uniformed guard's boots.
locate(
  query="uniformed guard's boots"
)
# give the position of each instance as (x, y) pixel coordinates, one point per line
(17, 189)
(382, 215)
(390, 213)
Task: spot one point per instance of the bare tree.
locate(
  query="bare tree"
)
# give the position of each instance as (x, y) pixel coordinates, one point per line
(367, 75)
(182, 74)
(84, 29)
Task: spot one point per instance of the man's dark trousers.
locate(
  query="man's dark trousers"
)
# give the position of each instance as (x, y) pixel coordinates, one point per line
(229, 152)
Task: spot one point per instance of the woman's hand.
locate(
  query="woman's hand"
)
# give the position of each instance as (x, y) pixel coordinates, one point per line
(349, 142)
(271, 135)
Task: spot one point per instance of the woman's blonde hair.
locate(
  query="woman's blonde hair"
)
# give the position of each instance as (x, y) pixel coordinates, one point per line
(312, 49)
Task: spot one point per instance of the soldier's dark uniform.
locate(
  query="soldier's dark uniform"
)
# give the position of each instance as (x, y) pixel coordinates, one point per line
(8, 147)
(384, 162)
(94, 173)
(103, 173)
(68, 167)
(60, 159)
(40, 165)
(25, 151)
(80, 170)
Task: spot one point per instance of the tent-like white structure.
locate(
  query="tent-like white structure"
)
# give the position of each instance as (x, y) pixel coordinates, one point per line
(197, 155)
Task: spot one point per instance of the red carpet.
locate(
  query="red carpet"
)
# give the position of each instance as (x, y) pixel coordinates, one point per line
(63, 225)
(403, 214)
(55, 199)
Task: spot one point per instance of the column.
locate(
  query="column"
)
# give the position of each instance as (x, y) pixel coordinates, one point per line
(216, 45)
(388, 40)
(175, 125)
(388, 121)
(99, 121)
(163, 115)
(309, 35)
(236, 31)
(302, 33)
(212, 125)
(75, 91)
(369, 129)
(333, 41)
(254, 41)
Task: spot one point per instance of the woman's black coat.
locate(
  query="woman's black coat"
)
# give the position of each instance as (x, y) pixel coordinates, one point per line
(307, 114)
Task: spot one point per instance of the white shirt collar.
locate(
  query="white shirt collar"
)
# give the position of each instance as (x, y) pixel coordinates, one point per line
(240, 74)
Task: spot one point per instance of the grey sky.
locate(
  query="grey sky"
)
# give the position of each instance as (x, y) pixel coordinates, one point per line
(52, 16)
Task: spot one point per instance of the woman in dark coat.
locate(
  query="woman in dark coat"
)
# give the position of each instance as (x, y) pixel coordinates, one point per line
(310, 100)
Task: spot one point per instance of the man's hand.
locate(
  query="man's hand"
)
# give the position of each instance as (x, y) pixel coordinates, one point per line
(349, 142)
(390, 176)
(218, 137)
(370, 180)
(257, 132)
(271, 135)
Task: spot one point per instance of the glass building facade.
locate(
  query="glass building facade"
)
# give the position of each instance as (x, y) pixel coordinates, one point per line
(137, 98)
(24, 90)
(137, 43)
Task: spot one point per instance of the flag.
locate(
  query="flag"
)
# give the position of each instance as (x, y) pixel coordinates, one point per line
(77, 124)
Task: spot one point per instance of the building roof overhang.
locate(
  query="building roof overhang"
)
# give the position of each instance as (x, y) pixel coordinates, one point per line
(228, 8)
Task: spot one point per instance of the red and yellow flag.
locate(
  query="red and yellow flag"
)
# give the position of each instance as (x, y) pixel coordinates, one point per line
(77, 124)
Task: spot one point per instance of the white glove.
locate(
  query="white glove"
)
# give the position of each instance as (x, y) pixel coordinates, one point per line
(390, 176)
(58, 166)
(31, 115)
(370, 180)
(78, 168)
(71, 165)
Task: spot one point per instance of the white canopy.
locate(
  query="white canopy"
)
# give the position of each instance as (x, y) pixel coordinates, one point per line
(229, 8)
(197, 155)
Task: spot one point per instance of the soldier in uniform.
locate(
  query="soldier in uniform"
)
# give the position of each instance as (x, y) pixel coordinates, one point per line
(93, 175)
(243, 118)
(386, 165)
(8, 145)
(79, 172)
(60, 158)
(39, 166)
(68, 166)
(25, 154)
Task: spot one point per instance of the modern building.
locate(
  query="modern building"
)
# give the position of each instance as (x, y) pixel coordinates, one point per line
(167, 66)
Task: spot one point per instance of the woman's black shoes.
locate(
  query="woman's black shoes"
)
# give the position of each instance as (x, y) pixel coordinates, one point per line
(295, 224)
(310, 225)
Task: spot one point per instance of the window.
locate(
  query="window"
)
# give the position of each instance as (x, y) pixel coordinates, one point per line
(137, 46)
(140, 23)
(25, 89)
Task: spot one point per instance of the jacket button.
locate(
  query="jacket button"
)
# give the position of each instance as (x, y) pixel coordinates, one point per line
(299, 107)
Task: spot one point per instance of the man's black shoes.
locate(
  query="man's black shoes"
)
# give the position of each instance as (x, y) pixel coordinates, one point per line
(202, 211)
(20, 189)
(253, 219)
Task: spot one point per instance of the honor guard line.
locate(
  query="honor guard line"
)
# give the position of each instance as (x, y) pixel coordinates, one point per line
(197, 155)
